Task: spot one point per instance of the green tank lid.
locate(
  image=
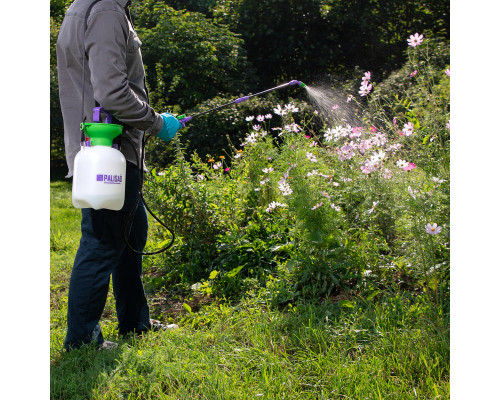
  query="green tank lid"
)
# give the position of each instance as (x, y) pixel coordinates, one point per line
(101, 134)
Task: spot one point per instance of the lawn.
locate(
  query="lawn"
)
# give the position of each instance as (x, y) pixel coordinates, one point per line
(395, 347)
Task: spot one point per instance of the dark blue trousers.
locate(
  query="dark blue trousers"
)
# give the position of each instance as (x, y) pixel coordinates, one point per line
(102, 254)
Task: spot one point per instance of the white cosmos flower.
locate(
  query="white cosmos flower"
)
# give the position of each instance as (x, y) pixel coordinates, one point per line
(433, 229)
(402, 163)
(274, 205)
(311, 157)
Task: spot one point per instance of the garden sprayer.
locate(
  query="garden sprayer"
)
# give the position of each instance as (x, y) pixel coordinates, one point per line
(100, 168)
(99, 172)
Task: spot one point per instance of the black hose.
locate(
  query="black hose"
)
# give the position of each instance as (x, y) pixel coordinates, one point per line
(140, 177)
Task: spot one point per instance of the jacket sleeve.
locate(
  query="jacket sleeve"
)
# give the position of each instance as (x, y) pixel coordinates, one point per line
(106, 42)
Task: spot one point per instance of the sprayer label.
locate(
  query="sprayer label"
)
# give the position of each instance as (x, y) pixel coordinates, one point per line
(113, 179)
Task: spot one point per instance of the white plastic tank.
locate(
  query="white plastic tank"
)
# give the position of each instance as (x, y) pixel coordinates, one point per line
(99, 178)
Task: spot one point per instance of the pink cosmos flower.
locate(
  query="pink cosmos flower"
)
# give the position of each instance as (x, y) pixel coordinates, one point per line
(415, 40)
(293, 128)
(349, 97)
(379, 139)
(335, 107)
(413, 74)
(365, 88)
(345, 152)
(370, 166)
(365, 169)
(409, 167)
(408, 129)
(227, 169)
(373, 129)
(447, 72)
(394, 121)
(432, 229)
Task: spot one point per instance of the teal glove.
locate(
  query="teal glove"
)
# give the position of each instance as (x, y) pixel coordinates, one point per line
(169, 128)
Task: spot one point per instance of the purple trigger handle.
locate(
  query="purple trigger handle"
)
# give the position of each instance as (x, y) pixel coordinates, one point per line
(184, 120)
(96, 116)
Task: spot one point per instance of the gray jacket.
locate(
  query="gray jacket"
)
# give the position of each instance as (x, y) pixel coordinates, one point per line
(114, 74)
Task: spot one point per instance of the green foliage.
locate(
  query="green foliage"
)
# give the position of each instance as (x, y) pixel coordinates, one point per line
(284, 39)
(56, 121)
(305, 40)
(316, 215)
(189, 59)
(202, 6)
(58, 8)
(372, 35)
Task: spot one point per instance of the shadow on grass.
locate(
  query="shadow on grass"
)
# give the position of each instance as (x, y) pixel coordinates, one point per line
(58, 171)
(77, 374)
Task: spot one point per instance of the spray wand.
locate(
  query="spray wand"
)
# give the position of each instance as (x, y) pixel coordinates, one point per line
(183, 118)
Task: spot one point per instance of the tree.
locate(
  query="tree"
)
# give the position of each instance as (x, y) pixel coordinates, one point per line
(188, 58)
(57, 10)
(285, 39)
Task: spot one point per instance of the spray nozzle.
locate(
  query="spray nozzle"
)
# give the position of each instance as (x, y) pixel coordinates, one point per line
(294, 82)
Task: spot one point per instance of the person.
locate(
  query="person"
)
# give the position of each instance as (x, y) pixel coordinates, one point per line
(99, 62)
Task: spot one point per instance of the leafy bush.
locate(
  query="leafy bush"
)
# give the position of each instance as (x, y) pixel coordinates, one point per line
(189, 59)
(294, 211)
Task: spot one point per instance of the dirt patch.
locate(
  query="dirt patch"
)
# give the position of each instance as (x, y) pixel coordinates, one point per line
(165, 307)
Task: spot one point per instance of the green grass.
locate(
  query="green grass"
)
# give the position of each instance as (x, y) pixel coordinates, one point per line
(64, 237)
(393, 347)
